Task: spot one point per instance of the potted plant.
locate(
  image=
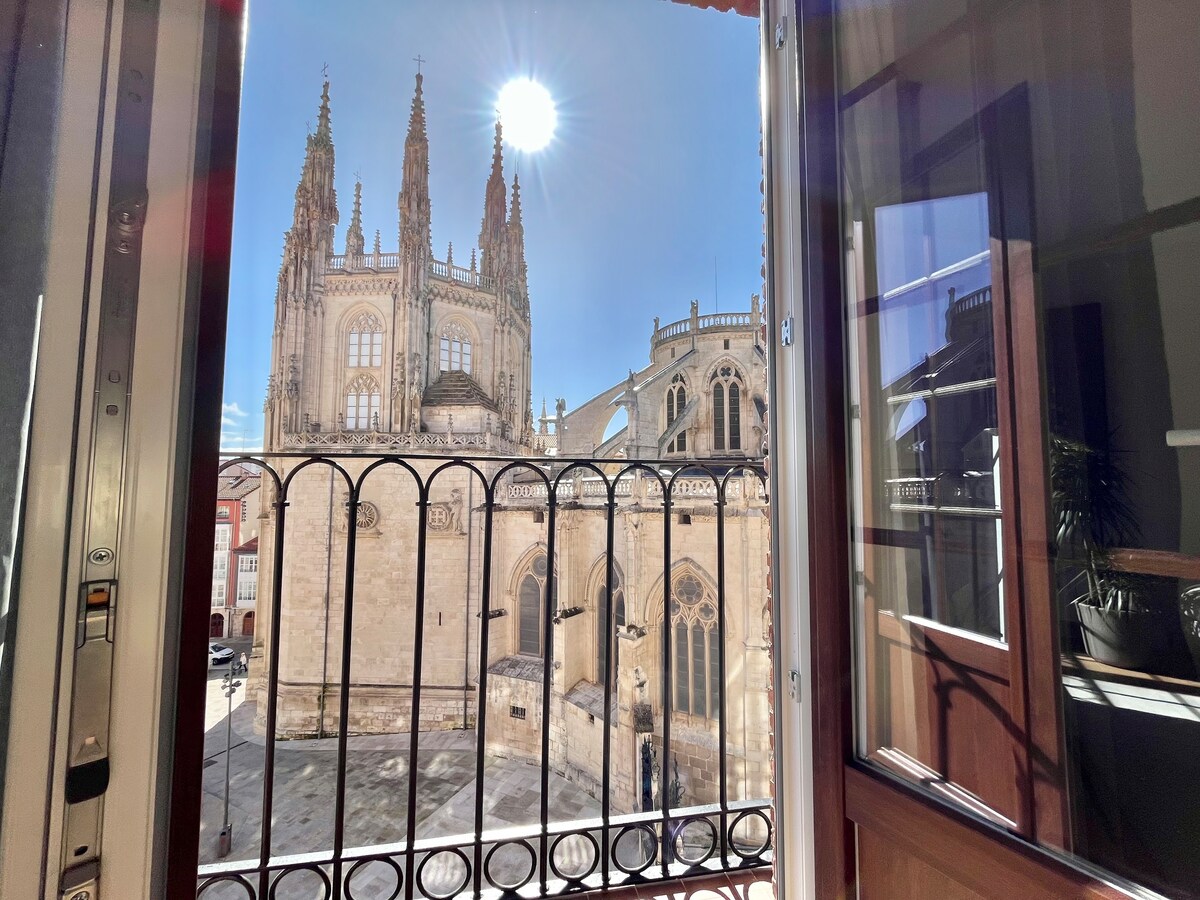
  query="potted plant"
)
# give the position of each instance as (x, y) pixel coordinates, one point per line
(1121, 614)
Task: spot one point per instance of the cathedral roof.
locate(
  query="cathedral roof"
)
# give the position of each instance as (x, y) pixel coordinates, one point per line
(457, 389)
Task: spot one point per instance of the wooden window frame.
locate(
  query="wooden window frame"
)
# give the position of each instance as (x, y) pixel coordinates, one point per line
(850, 796)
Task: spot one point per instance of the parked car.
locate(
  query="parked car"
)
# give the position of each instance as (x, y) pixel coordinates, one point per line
(219, 655)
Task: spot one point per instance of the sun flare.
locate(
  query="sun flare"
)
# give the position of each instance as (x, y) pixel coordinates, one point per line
(527, 113)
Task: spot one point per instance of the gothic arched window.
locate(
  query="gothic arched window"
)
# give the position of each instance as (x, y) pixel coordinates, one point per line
(455, 348)
(362, 404)
(531, 594)
(364, 341)
(676, 404)
(694, 622)
(726, 384)
(618, 596)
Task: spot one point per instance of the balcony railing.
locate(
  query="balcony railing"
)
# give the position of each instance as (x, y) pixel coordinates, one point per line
(669, 837)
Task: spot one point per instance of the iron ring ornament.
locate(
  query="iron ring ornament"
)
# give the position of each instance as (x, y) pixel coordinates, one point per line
(584, 873)
(756, 854)
(273, 893)
(226, 879)
(645, 829)
(434, 854)
(517, 884)
(677, 839)
(361, 864)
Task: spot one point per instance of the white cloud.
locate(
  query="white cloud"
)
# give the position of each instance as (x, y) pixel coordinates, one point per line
(227, 422)
(232, 409)
(236, 443)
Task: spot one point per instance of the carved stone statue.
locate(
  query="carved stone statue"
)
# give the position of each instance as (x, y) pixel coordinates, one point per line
(456, 508)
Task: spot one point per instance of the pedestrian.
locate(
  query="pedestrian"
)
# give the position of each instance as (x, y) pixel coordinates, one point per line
(242, 662)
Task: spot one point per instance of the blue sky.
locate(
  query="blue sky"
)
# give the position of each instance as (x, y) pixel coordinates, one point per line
(650, 185)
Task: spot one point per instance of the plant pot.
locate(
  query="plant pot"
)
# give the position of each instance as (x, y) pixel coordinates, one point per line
(1127, 639)
(1189, 618)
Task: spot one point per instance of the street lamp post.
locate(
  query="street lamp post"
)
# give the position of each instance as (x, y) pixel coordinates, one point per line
(229, 688)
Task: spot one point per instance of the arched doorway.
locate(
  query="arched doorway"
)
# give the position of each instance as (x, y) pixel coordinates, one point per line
(248, 625)
(216, 625)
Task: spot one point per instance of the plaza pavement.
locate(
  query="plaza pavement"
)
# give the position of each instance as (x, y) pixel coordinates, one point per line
(376, 797)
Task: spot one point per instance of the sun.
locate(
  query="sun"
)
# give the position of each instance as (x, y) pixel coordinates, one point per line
(527, 113)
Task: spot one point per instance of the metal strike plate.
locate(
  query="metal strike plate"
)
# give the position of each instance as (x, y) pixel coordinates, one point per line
(793, 682)
(781, 32)
(81, 882)
(787, 331)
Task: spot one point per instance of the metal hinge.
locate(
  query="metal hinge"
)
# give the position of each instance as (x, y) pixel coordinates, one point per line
(787, 329)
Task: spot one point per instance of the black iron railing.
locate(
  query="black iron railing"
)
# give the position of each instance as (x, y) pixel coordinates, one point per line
(613, 849)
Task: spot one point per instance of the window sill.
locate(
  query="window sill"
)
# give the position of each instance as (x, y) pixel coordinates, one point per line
(737, 884)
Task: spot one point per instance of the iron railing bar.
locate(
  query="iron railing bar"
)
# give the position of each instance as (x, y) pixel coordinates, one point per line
(414, 723)
(722, 727)
(485, 608)
(547, 673)
(561, 463)
(609, 625)
(268, 798)
(339, 802)
(664, 772)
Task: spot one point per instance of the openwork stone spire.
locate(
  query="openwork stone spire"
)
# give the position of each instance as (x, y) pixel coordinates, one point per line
(355, 242)
(316, 199)
(516, 235)
(414, 186)
(495, 211)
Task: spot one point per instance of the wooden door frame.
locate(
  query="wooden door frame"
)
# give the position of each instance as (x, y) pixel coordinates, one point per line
(847, 792)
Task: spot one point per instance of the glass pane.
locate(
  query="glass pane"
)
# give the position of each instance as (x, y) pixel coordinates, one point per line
(699, 671)
(718, 417)
(352, 354)
(530, 615)
(735, 418)
(682, 672)
(714, 676)
(1021, 275)
(601, 628)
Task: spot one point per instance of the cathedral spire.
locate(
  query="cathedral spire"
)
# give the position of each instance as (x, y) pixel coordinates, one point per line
(495, 210)
(516, 234)
(414, 185)
(324, 132)
(355, 242)
(316, 210)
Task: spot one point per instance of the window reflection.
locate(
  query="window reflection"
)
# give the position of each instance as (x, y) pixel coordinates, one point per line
(1021, 208)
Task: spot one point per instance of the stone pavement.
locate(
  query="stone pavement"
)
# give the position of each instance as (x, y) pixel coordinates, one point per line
(376, 798)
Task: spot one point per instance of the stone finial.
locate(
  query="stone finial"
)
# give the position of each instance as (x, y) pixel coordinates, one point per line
(354, 234)
(378, 244)
(324, 130)
(450, 255)
(474, 264)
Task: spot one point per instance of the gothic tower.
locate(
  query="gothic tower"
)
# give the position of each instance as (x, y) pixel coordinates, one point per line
(410, 371)
(299, 307)
(400, 350)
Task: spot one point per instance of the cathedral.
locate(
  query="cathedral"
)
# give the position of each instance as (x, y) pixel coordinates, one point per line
(398, 353)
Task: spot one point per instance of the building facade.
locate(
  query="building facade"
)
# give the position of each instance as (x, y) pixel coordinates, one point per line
(402, 353)
(235, 553)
